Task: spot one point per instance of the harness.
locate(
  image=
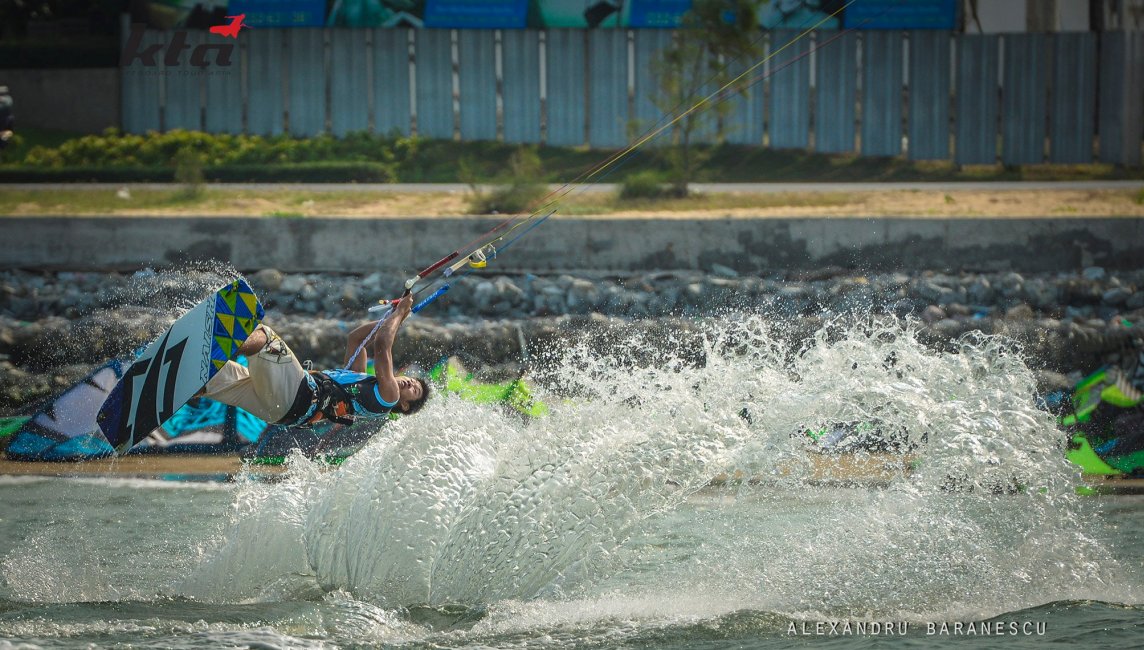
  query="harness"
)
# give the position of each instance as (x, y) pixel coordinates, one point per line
(320, 397)
(332, 401)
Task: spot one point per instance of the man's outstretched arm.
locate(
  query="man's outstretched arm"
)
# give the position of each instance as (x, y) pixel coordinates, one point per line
(383, 350)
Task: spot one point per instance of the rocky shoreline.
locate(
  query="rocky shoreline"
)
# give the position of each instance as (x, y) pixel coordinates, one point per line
(54, 327)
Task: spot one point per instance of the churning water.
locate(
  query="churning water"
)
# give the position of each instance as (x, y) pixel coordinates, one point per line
(598, 526)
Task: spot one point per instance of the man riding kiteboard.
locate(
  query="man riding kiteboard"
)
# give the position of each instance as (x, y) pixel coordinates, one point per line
(277, 389)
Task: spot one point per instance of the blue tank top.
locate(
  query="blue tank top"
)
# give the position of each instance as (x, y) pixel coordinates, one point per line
(367, 401)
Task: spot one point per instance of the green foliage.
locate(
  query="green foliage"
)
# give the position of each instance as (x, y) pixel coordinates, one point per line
(115, 149)
(520, 192)
(39, 155)
(647, 184)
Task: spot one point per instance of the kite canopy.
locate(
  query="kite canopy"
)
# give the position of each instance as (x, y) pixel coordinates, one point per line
(203, 426)
(65, 428)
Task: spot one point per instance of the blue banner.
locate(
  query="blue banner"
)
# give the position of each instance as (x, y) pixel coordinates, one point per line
(483, 14)
(901, 14)
(280, 13)
(657, 13)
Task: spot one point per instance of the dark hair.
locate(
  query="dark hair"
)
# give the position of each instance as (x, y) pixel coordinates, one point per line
(416, 404)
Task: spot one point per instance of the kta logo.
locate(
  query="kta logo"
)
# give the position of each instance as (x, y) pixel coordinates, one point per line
(231, 30)
(134, 50)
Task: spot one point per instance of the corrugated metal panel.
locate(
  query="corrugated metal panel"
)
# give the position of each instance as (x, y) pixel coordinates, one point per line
(264, 78)
(1134, 106)
(1073, 108)
(1112, 92)
(1023, 99)
(307, 99)
(349, 97)
(434, 57)
(837, 79)
(140, 88)
(706, 120)
(976, 130)
(1121, 110)
(521, 58)
(649, 116)
(881, 93)
(608, 87)
(929, 95)
(566, 96)
(391, 81)
(744, 121)
(184, 90)
(223, 106)
(790, 91)
(478, 84)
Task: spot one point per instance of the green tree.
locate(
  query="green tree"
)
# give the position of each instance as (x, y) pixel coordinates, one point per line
(713, 33)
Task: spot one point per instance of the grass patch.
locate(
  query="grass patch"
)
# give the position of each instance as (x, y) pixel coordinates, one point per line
(1139, 199)
(213, 200)
(217, 201)
(44, 202)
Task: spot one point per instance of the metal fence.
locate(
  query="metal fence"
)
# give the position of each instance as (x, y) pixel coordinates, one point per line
(1014, 98)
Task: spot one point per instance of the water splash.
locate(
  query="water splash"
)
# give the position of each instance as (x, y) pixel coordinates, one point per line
(462, 504)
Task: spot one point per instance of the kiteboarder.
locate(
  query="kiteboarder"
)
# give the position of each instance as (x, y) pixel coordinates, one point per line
(277, 389)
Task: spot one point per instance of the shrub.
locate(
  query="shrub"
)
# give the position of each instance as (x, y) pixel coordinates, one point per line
(189, 173)
(115, 149)
(521, 193)
(647, 184)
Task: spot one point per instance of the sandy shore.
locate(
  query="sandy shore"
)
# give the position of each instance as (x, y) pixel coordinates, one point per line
(866, 470)
(156, 466)
(737, 201)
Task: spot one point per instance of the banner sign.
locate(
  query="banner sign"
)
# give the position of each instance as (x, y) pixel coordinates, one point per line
(896, 14)
(476, 14)
(657, 13)
(280, 13)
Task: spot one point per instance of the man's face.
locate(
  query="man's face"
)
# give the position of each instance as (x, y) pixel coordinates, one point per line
(410, 391)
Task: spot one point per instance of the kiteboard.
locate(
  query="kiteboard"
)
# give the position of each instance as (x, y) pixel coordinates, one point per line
(179, 364)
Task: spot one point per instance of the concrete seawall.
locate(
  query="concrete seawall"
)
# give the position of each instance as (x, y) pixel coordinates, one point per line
(1024, 244)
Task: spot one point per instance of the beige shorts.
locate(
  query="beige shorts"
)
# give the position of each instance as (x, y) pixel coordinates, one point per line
(267, 387)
